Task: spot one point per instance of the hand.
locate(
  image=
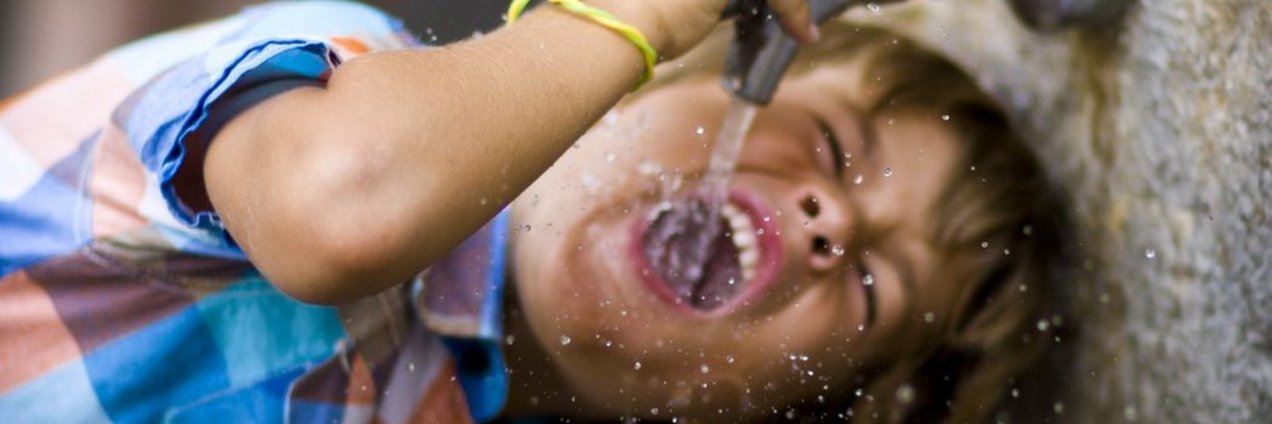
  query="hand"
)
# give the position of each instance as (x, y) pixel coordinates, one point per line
(675, 26)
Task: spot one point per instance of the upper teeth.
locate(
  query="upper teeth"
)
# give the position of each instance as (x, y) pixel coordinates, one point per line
(743, 231)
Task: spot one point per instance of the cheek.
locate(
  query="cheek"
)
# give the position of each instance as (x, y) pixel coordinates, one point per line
(800, 349)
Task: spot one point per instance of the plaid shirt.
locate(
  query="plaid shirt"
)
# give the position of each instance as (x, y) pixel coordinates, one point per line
(120, 303)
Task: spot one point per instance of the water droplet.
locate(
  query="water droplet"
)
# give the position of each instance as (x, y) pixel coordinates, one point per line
(509, 339)
(1028, 230)
(1043, 325)
(699, 130)
(984, 245)
(1006, 251)
(858, 179)
(729, 359)
(653, 411)
(759, 232)
(868, 280)
(874, 8)
(1150, 253)
(525, 228)
(565, 340)
(887, 172)
(1058, 407)
(609, 156)
(410, 367)
(905, 393)
(704, 369)
(837, 250)
(861, 327)
(636, 366)
(929, 317)
(945, 117)
(1015, 393)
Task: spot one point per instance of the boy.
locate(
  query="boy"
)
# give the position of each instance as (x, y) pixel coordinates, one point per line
(155, 273)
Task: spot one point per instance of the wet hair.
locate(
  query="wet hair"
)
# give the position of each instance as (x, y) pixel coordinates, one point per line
(1001, 216)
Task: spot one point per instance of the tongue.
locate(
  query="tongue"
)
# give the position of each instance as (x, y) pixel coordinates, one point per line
(722, 278)
(690, 249)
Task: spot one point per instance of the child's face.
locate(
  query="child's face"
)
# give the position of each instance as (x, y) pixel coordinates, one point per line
(824, 218)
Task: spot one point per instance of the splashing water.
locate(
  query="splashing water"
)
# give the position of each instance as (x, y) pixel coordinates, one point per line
(690, 230)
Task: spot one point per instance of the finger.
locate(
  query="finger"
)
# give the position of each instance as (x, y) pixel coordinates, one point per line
(794, 15)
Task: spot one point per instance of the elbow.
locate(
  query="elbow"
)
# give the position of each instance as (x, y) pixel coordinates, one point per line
(335, 264)
(332, 242)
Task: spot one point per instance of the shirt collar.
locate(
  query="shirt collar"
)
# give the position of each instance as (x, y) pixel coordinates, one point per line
(461, 298)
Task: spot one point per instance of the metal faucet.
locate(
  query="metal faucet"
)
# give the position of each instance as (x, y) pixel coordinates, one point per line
(761, 52)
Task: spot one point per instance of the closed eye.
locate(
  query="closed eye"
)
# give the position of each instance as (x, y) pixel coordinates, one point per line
(837, 159)
(868, 284)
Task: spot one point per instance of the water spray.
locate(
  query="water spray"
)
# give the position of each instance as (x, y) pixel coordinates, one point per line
(689, 235)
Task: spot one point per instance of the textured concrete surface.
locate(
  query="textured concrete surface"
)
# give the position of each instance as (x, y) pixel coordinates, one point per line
(1159, 124)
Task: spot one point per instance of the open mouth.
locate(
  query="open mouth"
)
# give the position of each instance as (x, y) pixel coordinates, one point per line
(704, 259)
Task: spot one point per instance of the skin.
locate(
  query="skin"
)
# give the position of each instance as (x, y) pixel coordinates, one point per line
(576, 280)
(406, 153)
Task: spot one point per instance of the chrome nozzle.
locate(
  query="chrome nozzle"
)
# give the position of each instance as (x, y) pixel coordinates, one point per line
(761, 52)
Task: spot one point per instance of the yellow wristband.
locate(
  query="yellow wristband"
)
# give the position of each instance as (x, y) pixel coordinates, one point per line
(604, 19)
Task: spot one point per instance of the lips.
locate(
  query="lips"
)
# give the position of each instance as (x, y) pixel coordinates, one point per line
(706, 262)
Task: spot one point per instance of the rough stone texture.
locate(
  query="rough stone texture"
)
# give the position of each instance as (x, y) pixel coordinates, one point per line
(1160, 127)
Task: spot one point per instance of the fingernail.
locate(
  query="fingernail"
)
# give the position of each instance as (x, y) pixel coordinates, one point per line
(814, 33)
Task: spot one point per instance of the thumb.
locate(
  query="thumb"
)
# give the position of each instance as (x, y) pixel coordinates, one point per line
(795, 18)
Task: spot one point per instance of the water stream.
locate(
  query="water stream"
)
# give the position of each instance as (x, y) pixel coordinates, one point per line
(689, 231)
(714, 187)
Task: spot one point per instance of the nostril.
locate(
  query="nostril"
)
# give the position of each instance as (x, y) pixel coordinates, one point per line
(810, 206)
(821, 246)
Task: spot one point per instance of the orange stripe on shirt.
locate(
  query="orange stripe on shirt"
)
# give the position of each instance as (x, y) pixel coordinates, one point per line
(352, 45)
(31, 332)
(118, 185)
(444, 401)
(51, 121)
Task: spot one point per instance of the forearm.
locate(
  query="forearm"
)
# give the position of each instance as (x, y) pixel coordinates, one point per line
(404, 154)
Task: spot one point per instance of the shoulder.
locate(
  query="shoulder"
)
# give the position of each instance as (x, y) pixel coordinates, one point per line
(319, 18)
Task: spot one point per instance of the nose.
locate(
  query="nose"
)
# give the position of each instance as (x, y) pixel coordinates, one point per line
(828, 221)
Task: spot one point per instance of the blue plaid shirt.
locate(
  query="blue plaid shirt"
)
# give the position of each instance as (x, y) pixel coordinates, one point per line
(118, 302)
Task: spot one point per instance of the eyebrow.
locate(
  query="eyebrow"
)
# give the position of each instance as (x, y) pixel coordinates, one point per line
(835, 149)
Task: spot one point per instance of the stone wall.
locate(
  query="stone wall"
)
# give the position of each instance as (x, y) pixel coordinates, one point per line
(1159, 125)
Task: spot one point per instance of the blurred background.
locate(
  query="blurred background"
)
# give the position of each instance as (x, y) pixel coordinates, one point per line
(40, 38)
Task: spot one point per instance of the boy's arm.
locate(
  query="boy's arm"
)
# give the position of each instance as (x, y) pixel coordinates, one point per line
(342, 191)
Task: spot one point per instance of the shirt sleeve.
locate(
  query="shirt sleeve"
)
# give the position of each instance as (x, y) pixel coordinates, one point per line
(237, 63)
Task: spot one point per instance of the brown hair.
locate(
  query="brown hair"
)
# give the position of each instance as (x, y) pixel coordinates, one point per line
(1000, 212)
